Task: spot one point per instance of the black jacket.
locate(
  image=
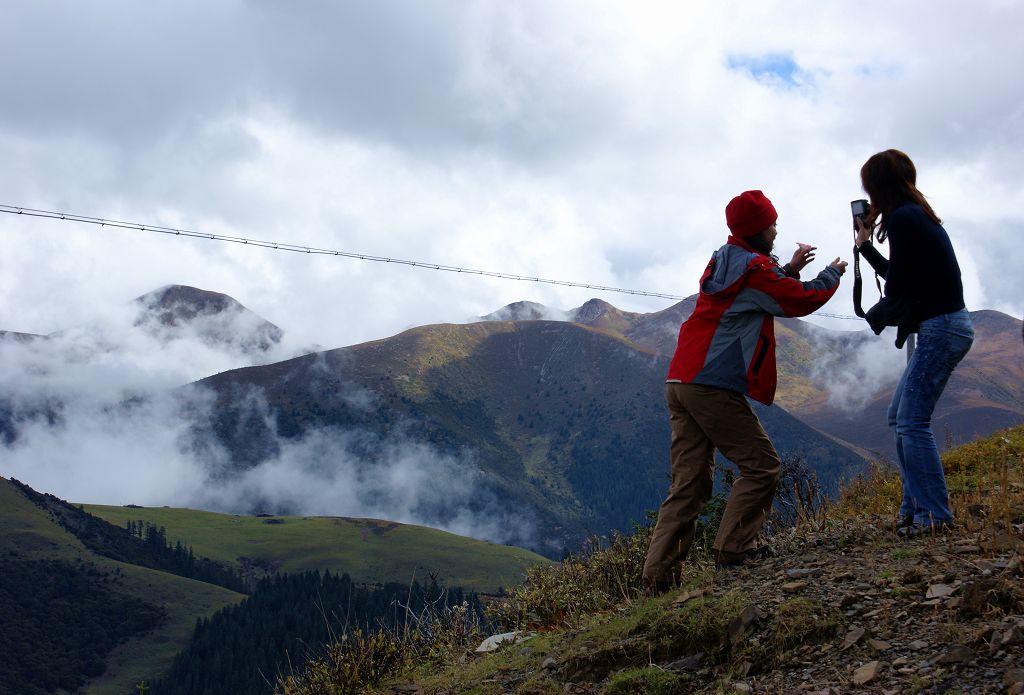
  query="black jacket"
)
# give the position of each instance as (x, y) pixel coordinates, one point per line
(921, 265)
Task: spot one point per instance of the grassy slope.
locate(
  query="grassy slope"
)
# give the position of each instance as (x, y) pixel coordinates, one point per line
(367, 549)
(28, 531)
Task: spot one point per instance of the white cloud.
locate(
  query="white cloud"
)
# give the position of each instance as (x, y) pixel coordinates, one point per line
(595, 142)
(855, 367)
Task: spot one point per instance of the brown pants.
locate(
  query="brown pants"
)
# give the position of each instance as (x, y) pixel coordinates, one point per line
(704, 418)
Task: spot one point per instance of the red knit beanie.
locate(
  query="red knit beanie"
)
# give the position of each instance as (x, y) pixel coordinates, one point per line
(749, 213)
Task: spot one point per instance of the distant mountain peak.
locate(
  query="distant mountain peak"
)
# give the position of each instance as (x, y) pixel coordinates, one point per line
(593, 310)
(526, 311)
(177, 303)
(215, 317)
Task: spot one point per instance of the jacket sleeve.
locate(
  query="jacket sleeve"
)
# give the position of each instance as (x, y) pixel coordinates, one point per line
(879, 262)
(770, 290)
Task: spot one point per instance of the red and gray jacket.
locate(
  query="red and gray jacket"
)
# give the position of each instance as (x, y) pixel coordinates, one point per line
(729, 339)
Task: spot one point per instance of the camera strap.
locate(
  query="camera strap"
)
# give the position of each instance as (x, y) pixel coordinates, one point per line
(858, 284)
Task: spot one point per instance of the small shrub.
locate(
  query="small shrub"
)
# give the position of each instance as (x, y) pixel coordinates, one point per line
(583, 584)
(799, 499)
(438, 635)
(645, 681)
(878, 490)
(348, 665)
(708, 523)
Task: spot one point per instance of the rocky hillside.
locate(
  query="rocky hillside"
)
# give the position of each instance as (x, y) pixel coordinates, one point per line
(842, 605)
(847, 609)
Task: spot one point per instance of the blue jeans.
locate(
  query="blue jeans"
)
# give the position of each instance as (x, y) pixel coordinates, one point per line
(941, 343)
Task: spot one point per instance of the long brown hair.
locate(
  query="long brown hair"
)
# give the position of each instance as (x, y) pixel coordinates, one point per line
(890, 179)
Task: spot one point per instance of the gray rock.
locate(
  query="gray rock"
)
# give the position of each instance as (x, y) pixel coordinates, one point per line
(940, 591)
(737, 628)
(1012, 636)
(689, 663)
(866, 673)
(852, 637)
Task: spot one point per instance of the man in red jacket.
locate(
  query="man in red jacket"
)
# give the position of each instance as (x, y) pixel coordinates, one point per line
(726, 351)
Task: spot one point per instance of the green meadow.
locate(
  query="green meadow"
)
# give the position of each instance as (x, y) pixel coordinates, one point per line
(369, 550)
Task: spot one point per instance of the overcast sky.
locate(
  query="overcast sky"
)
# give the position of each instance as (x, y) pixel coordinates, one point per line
(585, 141)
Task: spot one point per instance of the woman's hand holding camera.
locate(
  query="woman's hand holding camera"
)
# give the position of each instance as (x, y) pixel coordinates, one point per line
(863, 232)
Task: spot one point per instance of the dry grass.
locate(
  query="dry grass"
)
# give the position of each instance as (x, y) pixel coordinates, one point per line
(986, 490)
(602, 576)
(439, 635)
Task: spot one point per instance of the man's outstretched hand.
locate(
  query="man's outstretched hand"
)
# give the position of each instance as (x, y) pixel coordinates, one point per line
(803, 255)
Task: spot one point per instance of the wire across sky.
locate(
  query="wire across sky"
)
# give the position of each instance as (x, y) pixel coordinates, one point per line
(299, 248)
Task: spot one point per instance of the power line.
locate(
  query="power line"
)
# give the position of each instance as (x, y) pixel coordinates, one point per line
(298, 248)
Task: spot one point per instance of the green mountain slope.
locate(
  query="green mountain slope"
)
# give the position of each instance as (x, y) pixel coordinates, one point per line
(368, 550)
(31, 536)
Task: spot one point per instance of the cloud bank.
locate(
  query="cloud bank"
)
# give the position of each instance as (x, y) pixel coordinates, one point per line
(585, 141)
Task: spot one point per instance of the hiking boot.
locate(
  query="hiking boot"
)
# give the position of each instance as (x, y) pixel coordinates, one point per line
(919, 530)
(728, 561)
(657, 588)
(905, 521)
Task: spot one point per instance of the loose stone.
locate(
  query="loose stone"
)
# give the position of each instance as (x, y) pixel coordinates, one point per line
(852, 637)
(866, 673)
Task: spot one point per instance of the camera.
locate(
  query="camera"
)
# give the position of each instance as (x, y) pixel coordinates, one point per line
(859, 208)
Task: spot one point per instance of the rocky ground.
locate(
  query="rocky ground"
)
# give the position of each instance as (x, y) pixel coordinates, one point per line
(933, 615)
(849, 609)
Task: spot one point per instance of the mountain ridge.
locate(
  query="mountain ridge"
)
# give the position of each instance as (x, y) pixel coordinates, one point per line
(985, 390)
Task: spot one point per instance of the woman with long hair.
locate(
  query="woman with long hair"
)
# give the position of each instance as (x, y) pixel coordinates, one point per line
(923, 268)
